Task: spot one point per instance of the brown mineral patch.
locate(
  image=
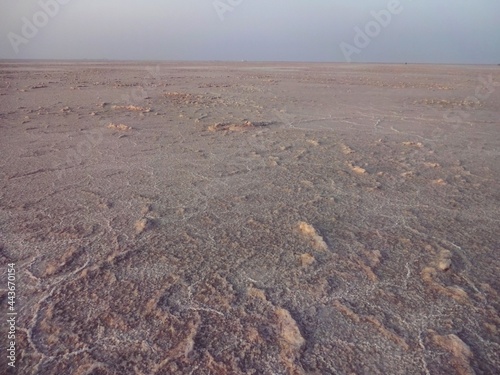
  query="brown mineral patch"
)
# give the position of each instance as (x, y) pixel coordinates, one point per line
(132, 108)
(428, 274)
(346, 311)
(272, 161)
(290, 341)
(408, 174)
(444, 260)
(141, 225)
(368, 271)
(444, 264)
(358, 169)
(429, 249)
(384, 331)
(457, 293)
(252, 334)
(492, 328)
(176, 94)
(289, 331)
(346, 149)
(183, 348)
(236, 127)
(256, 293)
(309, 231)
(120, 127)
(306, 260)
(313, 142)
(373, 257)
(460, 352)
(439, 182)
(65, 261)
(51, 269)
(453, 344)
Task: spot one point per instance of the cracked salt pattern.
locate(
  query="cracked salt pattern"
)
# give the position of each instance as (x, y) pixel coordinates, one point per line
(332, 223)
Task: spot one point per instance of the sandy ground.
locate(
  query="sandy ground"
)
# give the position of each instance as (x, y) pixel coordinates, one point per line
(244, 218)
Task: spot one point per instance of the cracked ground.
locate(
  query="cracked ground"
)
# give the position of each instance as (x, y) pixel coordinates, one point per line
(244, 218)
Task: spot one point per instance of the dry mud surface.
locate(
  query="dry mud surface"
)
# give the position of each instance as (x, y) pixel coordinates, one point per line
(211, 218)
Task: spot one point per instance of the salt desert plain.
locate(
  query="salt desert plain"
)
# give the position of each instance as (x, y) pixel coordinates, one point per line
(250, 218)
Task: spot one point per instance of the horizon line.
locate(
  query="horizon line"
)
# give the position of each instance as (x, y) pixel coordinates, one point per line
(240, 61)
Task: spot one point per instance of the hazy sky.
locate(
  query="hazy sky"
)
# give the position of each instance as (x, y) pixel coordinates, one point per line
(442, 31)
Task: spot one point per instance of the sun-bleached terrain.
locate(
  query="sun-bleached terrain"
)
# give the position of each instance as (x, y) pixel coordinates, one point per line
(251, 218)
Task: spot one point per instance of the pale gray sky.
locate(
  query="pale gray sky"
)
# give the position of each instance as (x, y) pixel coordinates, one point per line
(433, 31)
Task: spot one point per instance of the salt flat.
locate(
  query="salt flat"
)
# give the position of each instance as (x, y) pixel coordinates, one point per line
(251, 218)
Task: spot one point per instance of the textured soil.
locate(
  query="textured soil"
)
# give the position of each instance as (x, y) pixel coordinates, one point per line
(250, 218)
